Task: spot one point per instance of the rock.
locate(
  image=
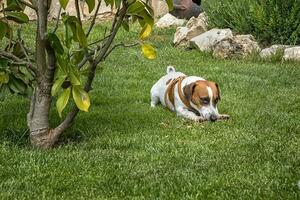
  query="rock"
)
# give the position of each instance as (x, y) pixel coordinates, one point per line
(201, 20)
(292, 53)
(180, 36)
(237, 46)
(169, 20)
(160, 8)
(194, 27)
(207, 40)
(271, 51)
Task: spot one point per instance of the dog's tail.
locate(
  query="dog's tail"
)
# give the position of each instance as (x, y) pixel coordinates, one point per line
(170, 69)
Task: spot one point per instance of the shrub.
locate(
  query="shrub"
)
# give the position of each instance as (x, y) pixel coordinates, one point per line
(270, 21)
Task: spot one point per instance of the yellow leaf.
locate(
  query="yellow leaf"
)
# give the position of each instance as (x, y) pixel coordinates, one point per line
(148, 51)
(81, 98)
(62, 100)
(146, 31)
(4, 78)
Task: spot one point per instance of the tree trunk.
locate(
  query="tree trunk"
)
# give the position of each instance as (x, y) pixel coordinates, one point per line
(41, 135)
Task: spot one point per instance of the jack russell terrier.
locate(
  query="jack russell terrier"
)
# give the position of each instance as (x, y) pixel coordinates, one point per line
(190, 97)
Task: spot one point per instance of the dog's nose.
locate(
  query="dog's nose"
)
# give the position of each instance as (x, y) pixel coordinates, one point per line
(213, 118)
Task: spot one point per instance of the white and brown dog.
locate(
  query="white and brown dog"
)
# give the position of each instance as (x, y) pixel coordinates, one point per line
(191, 97)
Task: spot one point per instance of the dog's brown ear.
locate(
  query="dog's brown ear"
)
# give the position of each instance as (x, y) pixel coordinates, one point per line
(188, 90)
(219, 93)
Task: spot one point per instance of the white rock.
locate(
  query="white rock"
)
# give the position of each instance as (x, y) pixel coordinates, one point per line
(180, 36)
(292, 53)
(237, 46)
(194, 27)
(200, 20)
(271, 51)
(207, 40)
(169, 20)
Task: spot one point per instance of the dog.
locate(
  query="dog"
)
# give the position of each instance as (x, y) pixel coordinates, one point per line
(191, 97)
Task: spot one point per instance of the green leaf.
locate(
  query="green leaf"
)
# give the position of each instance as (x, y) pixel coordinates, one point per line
(62, 63)
(68, 35)
(109, 2)
(135, 8)
(64, 3)
(18, 17)
(62, 100)
(125, 25)
(91, 5)
(148, 51)
(14, 5)
(57, 85)
(9, 32)
(55, 43)
(16, 85)
(146, 31)
(4, 78)
(81, 36)
(3, 30)
(147, 17)
(170, 4)
(117, 3)
(81, 98)
(3, 63)
(77, 57)
(17, 50)
(74, 76)
(3, 91)
(24, 70)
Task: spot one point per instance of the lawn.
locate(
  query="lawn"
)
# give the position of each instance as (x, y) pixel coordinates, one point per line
(123, 149)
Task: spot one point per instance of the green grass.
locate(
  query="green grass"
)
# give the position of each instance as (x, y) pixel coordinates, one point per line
(123, 149)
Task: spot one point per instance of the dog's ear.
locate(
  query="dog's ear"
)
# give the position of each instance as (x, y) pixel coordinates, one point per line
(188, 90)
(219, 93)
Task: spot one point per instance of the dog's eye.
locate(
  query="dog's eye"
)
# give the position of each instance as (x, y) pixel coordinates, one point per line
(205, 100)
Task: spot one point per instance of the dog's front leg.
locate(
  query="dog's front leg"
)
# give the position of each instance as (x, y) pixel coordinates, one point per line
(183, 112)
(223, 117)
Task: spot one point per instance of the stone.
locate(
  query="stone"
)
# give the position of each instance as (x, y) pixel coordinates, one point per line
(194, 27)
(169, 20)
(237, 46)
(180, 36)
(271, 51)
(160, 8)
(200, 20)
(292, 53)
(206, 41)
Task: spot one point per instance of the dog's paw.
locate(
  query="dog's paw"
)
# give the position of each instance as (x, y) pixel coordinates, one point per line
(201, 119)
(224, 117)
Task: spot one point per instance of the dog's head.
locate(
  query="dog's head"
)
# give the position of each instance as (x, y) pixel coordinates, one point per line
(204, 96)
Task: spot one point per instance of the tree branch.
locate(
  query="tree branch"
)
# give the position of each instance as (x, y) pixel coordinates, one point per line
(28, 4)
(94, 19)
(78, 12)
(93, 65)
(57, 20)
(17, 60)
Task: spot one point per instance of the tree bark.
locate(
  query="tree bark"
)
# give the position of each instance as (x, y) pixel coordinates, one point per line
(41, 135)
